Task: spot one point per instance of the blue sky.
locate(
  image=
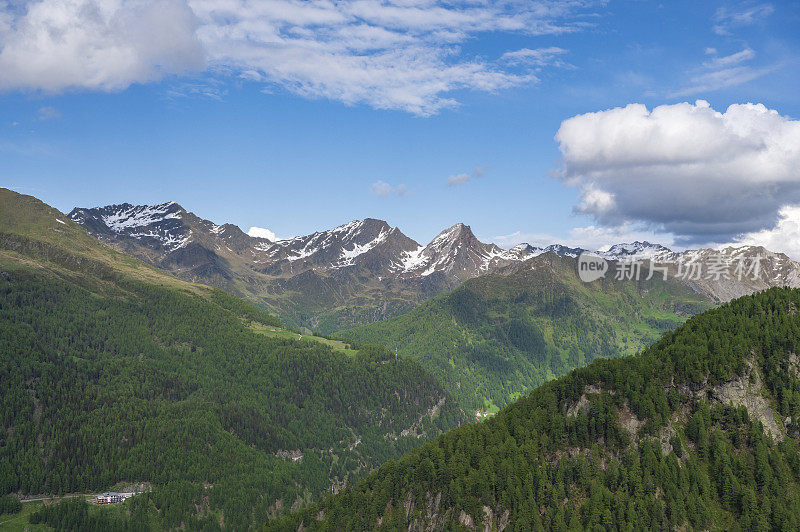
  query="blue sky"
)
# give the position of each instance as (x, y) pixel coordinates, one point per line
(302, 116)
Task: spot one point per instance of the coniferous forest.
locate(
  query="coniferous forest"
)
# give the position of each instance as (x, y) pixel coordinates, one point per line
(108, 378)
(115, 373)
(700, 431)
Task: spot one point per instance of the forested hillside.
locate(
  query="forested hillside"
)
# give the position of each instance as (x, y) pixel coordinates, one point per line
(699, 431)
(114, 371)
(499, 336)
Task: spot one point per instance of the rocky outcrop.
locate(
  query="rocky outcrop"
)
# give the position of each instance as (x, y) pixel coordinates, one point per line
(748, 390)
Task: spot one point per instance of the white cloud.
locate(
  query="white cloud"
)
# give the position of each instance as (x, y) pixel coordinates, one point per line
(590, 237)
(389, 54)
(55, 45)
(684, 169)
(728, 60)
(720, 72)
(598, 237)
(458, 179)
(383, 189)
(521, 237)
(462, 179)
(48, 113)
(537, 57)
(261, 232)
(726, 19)
(784, 237)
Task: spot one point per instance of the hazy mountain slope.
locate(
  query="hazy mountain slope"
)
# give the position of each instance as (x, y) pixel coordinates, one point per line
(700, 431)
(113, 370)
(498, 336)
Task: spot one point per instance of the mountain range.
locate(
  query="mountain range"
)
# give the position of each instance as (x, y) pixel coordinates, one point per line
(117, 371)
(113, 370)
(366, 270)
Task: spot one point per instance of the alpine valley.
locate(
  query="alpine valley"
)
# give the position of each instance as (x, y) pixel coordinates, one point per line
(115, 372)
(339, 380)
(490, 324)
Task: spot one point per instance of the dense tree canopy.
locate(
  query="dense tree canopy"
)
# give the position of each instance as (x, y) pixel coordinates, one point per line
(497, 337)
(654, 441)
(153, 384)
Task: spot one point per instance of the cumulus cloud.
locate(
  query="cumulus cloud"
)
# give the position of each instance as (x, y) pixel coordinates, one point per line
(685, 169)
(462, 179)
(383, 189)
(389, 54)
(95, 44)
(262, 232)
(784, 237)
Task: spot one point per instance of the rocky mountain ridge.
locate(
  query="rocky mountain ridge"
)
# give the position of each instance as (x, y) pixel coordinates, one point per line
(367, 270)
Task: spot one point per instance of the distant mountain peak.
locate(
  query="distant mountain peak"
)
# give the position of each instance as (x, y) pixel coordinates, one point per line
(454, 233)
(159, 224)
(367, 258)
(638, 249)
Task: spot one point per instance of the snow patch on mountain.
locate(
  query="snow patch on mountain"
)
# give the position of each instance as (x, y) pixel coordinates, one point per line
(635, 251)
(170, 241)
(348, 256)
(139, 216)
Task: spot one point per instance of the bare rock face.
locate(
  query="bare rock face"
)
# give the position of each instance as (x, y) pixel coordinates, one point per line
(746, 390)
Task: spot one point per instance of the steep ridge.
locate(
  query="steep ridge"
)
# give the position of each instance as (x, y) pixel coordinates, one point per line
(455, 253)
(321, 281)
(114, 370)
(498, 336)
(699, 431)
(366, 270)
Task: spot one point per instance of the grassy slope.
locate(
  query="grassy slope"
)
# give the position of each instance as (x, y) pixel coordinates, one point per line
(113, 370)
(700, 431)
(499, 336)
(19, 522)
(280, 332)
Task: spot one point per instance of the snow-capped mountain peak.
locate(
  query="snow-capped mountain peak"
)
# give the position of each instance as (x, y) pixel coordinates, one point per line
(161, 225)
(371, 257)
(635, 251)
(369, 242)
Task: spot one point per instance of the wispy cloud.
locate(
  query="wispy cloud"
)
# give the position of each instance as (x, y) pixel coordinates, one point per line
(727, 19)
(384, 189)
(537, 57)
(729, 60)
(48, 113)
(211, 88)
(590, 237)
(726, 71)
(464, 178)
(388, 54)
